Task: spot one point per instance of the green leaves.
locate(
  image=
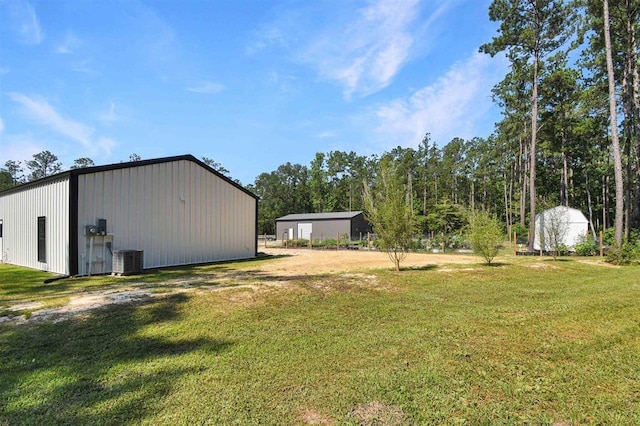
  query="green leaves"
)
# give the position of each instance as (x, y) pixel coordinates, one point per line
(388, 208)
(485, 234)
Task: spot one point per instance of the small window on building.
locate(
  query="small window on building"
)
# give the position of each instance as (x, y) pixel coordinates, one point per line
(0, 229)
(42, 239)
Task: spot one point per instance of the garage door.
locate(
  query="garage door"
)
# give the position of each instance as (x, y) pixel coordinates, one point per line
(305, 230)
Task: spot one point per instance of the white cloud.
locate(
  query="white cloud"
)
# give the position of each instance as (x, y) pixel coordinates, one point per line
(455, 105)
(109, 116)
(69, 44)
(1, 125)
(327, 134)
(24, 22)
(4, 70)
(40, 111)
(83, 67)
(266, 36)
(107, 145)
(362, 49)
(366, 53)
(20, 148)
(207, 88)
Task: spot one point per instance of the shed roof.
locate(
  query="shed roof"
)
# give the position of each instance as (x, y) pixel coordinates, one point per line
(319, 216)
(116, 166)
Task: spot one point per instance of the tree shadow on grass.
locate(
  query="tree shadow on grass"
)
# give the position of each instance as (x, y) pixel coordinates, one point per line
(429, 267)
(495, 264)
(113, 366)
(558, 259)
(185, 271)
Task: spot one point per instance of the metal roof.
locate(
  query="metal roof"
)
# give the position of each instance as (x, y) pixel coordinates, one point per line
(96, 169)
(319, 216)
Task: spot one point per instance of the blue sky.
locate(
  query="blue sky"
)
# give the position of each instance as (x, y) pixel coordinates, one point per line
(250, 84)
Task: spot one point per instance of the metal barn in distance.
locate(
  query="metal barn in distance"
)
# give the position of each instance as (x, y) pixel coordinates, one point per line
(322, 226)
(170, 211)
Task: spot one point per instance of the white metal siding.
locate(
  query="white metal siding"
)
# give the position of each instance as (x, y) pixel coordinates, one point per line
(176, 212)
(19, 212)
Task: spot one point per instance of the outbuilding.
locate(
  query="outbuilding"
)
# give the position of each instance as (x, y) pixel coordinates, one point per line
(322, 226)
(160, 212)
(561, 224)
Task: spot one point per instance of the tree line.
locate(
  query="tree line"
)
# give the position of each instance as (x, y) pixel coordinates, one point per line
(555, 144)
(46, 163)
(569, 134)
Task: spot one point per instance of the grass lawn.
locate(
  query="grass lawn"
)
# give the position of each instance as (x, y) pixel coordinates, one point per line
(530, 341)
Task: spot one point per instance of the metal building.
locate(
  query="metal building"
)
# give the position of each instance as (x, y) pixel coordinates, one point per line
(174, 211)
(322, 226)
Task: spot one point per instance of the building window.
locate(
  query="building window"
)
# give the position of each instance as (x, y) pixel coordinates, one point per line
(42, 239)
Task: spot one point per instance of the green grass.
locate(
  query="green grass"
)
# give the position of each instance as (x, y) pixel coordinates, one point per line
(466, 344)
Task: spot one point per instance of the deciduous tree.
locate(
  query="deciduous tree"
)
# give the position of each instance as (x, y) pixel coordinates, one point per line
(388, 208)
(485, 234)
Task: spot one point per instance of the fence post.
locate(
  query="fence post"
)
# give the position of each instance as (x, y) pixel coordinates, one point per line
(310, 240)
(338, 241)
(515, 242)
(601, 247)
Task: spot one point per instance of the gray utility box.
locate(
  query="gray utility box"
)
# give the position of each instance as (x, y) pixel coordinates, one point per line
(128, 261)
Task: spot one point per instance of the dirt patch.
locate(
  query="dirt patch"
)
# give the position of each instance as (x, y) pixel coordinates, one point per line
(325, 270)
(378, 413)
(313, 417)
(455, 269)
(598, 262)
(305, 261)
(542, 266)
(79, 304)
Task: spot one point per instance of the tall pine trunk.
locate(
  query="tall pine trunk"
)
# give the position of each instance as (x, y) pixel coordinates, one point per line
(532, 154)
(615, 142)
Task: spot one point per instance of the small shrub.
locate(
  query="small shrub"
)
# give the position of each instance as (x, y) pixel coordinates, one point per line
(608, 237)
(587, 248)
(562, 250)
(521, 233)
(457, 241)
(325, 243)
(626, 254)
(298, 243)
(485, 234)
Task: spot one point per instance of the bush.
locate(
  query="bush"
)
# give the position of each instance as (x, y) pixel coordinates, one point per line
(298, 243)
(521, 233)
(626, 254)
(562, 250)
(587, 248)
(608, 237)
(325, 243)
(485, 234)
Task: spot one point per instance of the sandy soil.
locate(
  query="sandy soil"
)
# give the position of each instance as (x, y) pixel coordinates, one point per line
(292, 263)
(289, 263)
(303, 261)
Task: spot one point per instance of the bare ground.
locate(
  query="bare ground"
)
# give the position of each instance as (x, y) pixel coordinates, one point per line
(304, 261)
(289, 263)
(349, 266)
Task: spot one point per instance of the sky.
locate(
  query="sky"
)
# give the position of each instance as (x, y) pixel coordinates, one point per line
(251, 84)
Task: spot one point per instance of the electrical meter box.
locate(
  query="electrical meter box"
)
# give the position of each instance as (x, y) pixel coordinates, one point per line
(102, 226)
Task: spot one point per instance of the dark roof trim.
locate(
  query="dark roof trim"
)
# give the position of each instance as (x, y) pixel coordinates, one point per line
(96, 169)
(318, 216)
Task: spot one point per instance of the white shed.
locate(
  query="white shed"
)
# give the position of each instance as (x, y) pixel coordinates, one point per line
(175, 210)
(569, 226)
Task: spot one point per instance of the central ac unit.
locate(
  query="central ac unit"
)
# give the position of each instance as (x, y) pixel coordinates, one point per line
(127, 262)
